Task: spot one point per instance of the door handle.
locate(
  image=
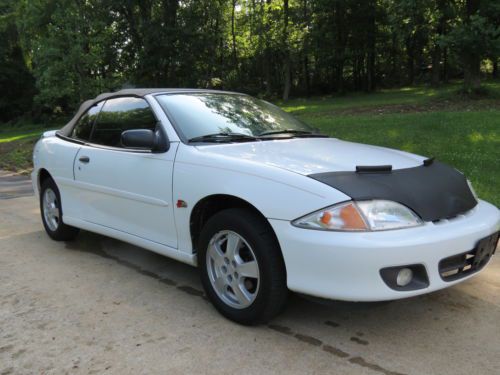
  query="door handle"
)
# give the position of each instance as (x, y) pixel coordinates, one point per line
(84, 159)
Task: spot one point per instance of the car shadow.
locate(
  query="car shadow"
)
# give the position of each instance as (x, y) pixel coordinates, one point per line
(357, 332)
(404, 335)
(184, 277)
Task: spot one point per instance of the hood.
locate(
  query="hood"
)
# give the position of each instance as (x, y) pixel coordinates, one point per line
(314, 155)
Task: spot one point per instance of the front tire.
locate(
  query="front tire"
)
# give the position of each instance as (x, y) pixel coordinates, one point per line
(241, 266)
(51, 210)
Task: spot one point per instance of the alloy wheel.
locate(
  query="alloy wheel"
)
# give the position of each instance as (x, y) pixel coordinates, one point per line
(232, 269)
(51, 212)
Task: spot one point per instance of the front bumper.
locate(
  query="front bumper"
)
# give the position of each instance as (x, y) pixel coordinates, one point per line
(346, 265)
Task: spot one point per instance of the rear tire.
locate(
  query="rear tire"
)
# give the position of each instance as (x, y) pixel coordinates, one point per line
(52, 215)
(241, 266)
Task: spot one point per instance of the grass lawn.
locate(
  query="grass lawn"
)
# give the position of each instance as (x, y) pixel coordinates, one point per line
(469, 141)
(426, 121)
(406, 99)
(16, 146)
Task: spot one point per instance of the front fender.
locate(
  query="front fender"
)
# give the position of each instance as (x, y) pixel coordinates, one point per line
(275, 192)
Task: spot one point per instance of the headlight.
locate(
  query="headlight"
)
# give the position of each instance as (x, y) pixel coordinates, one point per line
(360, 216)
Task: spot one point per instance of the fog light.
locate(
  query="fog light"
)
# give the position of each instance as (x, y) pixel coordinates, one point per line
(404, 277)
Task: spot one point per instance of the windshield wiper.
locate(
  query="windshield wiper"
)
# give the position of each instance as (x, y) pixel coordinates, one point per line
(223, 137)
(294, 132)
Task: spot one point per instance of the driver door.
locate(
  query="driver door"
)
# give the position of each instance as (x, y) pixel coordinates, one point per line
(124, 189)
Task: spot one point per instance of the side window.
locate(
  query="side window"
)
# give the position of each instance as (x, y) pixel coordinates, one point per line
(121, 114)
(83, 127)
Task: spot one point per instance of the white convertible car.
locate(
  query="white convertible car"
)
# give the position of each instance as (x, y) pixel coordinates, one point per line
(261, 202)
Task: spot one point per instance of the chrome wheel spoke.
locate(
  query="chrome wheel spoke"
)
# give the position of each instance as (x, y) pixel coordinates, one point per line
(46, 198)
(241, 294)
(51, 211)
(217, 255)
(217, 261)
(220, 284)
(232, 245)
(218, 249)
(248, 269)
(232, 269)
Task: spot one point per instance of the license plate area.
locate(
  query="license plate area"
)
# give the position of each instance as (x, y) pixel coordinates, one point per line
(462, 265)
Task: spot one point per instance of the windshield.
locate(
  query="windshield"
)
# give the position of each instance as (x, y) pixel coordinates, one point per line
(202, 114)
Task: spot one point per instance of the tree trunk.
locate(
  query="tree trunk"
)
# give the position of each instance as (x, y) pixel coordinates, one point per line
(286, 68)
(394, 59)
(437, 51)
(339, 75)
(305, 49)
(233, 34)
(306, 76)
(472, 60)
(410, 62)
(436, 68)
(472, 64)
(370, 68)
(288, 79)
(445, 65)
(339, 48)
(267, 56)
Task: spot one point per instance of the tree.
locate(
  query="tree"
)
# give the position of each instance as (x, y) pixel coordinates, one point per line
(17, 85)
(70, 46)
(286, 60)
(65, 51)
(474, 37)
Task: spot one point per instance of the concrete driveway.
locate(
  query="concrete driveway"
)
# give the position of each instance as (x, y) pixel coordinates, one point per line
(97, 306)
(14, 185)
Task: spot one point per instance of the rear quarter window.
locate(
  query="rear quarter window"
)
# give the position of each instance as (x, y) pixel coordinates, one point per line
(83, 128)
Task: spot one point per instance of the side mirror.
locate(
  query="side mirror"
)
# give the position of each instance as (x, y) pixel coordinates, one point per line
(138, 138)
(145, 139)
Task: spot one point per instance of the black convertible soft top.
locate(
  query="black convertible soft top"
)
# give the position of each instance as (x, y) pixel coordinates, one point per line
(139, 93)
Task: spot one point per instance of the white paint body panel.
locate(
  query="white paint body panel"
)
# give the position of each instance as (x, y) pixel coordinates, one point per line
(127, 191)
(346, 266)
(277, 193)
(314, 155)
(131, 196)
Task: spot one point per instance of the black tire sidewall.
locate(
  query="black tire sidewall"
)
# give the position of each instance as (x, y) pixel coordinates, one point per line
(63, 232)
(263, 244)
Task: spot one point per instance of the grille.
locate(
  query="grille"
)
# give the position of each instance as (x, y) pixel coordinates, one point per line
(461, 265)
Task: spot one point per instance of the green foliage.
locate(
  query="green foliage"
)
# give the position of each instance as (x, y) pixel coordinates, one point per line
(61, 52)
(71, 50)
(16, 82)
(475, 36)
(479, 32)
